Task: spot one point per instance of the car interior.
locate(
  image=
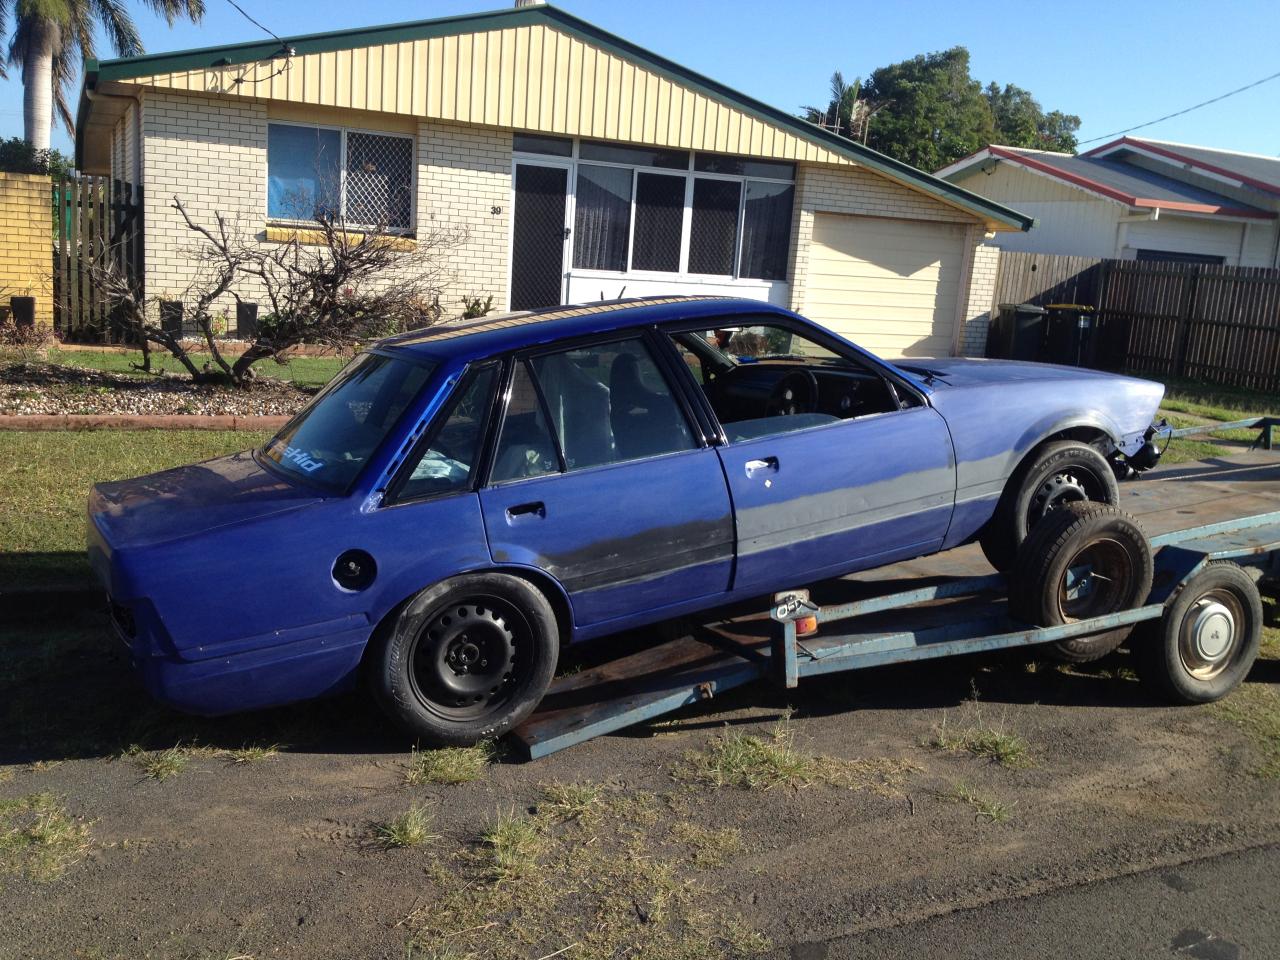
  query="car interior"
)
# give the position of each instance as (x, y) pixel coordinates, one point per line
(764, 379)
(610, 403)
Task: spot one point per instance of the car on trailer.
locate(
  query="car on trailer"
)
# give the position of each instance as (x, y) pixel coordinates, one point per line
(464, 499)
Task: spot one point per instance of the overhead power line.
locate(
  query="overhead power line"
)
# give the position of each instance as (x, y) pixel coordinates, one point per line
(1169, 116)
(265, 30)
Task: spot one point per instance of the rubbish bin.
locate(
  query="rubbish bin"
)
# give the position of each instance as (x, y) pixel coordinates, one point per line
(1068, 335)
(1016, 332)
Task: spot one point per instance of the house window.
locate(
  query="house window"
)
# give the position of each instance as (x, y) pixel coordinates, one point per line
(364, 179)
(654, 210)
(659, 215)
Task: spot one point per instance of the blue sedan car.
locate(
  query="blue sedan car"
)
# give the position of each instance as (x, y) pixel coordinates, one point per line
(463, 500)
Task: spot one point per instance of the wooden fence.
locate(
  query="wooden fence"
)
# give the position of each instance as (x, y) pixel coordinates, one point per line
(1204, 322)
(96, 220)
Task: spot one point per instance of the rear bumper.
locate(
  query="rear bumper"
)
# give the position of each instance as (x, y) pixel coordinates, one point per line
(253, 680)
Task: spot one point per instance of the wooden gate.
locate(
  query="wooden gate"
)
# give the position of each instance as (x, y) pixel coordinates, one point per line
(96, 220)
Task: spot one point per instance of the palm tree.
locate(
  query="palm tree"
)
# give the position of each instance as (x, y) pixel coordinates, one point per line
(52, 38)
(846, 114)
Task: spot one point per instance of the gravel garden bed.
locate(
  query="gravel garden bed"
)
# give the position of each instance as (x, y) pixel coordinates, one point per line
(40, 388)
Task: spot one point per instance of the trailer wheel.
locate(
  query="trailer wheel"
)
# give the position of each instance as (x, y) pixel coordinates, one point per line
(1084, 560)
(1208, 638)
(1056, 473)
(466, 659)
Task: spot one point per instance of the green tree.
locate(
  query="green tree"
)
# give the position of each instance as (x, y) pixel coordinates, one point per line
(1020, 121)
(52, 38)
(933, 111)
(843, 110)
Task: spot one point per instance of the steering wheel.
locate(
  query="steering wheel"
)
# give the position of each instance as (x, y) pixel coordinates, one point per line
(797, 392)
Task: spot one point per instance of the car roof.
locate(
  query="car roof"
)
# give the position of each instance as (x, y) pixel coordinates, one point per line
(487, 336)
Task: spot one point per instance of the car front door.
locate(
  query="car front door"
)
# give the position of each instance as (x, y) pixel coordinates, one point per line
(599, 478)
(869, 481)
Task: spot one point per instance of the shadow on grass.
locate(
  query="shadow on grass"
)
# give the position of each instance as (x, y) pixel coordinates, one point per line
(42, 571)
(67, 691)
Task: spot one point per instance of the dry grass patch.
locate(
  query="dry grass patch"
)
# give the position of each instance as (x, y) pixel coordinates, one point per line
(253, 753)
(751, 762)
(38, 839)
(513, 844)
(164, 764)
(992, 742)
(580, 886)
(411, 829)
(450, 765)
(1255, 709)
(984, 807)
(711, 847)
(570, 801)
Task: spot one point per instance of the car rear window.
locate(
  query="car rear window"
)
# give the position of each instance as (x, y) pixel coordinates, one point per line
(330, 441)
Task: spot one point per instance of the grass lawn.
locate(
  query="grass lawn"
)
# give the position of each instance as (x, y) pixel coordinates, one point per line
(45, 480)
(1187, 403)
(304, 371)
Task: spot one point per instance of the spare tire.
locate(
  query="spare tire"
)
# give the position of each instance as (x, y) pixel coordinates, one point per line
(1054, 474)
(1081, 561)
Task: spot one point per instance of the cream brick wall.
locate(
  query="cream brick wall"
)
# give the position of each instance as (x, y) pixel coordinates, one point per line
(26, 241)
(851, 190)
(982, 292)
(464, 175)
(212, 153)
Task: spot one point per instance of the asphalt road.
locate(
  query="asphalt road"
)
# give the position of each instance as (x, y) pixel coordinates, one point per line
(1220, 908)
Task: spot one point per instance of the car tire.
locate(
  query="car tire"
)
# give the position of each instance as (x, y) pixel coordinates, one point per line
(1097, 535)
(1171, 652)
(467, 659)
(1058, 472)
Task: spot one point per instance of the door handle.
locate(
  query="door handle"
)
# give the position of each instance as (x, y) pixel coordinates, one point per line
(759, 466)
(534, 509)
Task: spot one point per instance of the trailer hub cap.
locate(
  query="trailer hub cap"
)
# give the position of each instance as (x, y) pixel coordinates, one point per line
(1209, 635)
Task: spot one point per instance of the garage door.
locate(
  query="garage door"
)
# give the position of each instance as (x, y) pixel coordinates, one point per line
(890, 286)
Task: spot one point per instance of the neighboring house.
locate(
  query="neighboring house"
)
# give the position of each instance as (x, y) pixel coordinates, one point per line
(1135, 199)
(583, 166)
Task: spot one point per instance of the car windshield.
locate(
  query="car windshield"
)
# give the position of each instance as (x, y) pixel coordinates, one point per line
(334, 436)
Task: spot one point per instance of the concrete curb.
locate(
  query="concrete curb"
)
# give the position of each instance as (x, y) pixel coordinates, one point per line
(91, 421)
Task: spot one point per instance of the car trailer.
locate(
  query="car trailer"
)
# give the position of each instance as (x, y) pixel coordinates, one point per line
(1202, 617)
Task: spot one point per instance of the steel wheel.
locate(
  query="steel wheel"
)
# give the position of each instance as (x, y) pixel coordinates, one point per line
(466, 662)
(1207, 636)
(1095, 581)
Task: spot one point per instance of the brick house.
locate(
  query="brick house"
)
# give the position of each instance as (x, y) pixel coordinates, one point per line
(583, 167)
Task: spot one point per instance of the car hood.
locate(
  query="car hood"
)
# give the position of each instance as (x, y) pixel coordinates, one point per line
(192, 499)
(946, 372)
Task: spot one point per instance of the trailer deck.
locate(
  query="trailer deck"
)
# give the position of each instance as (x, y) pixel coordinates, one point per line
(944, 605)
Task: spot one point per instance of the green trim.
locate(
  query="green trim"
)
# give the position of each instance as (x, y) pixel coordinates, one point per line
(208, 58)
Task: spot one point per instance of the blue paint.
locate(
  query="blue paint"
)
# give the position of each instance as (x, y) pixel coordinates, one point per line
(620, 546)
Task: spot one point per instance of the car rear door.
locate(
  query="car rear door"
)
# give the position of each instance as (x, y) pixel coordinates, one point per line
(600, 478)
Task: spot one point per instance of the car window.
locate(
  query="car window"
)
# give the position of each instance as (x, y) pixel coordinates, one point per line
(330, 441)
(448, 462)
(525, 447)
(765, 379)
(609, 402)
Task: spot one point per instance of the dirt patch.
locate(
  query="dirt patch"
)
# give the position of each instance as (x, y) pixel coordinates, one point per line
(313, 831)
(49, 389)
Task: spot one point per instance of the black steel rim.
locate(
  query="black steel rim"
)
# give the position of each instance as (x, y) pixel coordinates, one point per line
(1097, 581)
(469, 659)
(1073, 485)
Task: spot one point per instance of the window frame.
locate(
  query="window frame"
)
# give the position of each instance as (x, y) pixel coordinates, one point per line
(665, 332)
(690, 173)
(342, 131)
(651, 337)
(392, 497)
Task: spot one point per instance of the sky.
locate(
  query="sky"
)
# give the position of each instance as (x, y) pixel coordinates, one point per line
(1114, 64)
